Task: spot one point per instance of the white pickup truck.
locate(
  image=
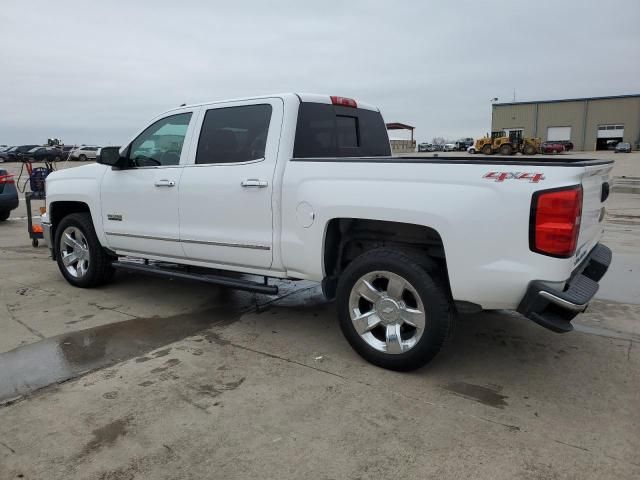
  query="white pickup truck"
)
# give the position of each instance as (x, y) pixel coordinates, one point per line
(304, 186)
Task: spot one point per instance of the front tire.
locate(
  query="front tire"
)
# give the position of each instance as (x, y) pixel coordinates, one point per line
(392, 311)
(486, 150)
(82, 158)
(4, 215)
(80, 257)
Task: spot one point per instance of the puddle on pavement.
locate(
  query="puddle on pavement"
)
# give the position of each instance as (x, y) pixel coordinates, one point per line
(60, 358)
(478, 393)
(66, 356)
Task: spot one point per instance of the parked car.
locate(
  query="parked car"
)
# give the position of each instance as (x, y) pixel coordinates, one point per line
(66, 151)
(16, 153)
(9, 154)
(623, 147)
(551, 147)
(43, 154)
(568, 145)
(449, 147)
(424, 147)
(4, 155)
(8, 195)
(84, 153)
(251, 192)
(464, 144)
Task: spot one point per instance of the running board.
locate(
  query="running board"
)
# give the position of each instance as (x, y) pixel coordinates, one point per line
(236, 283)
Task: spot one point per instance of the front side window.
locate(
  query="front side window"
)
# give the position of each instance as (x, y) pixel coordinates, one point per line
(234, 134)
(161, 143)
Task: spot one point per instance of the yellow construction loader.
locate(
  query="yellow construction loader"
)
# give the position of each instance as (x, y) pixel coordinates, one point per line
(504, 144)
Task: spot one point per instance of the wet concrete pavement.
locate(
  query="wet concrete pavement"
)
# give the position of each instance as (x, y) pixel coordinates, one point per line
(166, 379)
(66, 356)
(279, 394)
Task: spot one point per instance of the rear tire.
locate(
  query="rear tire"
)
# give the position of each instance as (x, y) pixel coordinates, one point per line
(82, 158)
(4, 215)
(401, 324)
(506, 149)
(486, 150)
(529, 150)
(80, 257)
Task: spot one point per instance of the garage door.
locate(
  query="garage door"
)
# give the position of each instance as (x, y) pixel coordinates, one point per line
(558, 133)
(610, 131)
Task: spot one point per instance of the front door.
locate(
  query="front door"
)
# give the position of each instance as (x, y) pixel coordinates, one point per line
(140, 202)
(227, 187)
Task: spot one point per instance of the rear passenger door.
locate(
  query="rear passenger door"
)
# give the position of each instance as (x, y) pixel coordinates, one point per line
(226, 216)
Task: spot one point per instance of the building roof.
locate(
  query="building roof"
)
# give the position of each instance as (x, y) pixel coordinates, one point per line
(399, 126)
(633, 95)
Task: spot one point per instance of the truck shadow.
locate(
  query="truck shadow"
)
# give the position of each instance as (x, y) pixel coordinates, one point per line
(486, 340)
(503, 342)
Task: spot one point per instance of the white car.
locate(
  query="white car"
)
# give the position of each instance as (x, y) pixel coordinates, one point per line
(304, 186)
(449, 147)
(84, 153)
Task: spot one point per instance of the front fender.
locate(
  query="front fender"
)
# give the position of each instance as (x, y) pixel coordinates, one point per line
(78, 184)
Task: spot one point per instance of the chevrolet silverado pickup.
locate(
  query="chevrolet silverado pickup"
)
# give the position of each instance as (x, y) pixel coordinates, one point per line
(303, 186)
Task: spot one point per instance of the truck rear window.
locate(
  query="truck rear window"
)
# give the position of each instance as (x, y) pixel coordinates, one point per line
(334, 131)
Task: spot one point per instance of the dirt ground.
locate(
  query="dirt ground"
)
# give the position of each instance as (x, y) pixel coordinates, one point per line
(153, 379)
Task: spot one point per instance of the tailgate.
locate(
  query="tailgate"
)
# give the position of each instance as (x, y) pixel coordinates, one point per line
(595, 190)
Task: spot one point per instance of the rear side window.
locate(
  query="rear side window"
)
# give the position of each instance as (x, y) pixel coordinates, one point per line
(234, 134)
(335, 131)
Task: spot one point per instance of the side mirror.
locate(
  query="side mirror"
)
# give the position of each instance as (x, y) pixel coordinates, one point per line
(110, 156)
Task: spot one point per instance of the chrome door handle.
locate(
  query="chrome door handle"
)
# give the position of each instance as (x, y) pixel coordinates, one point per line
(254, 182)
(165, 183)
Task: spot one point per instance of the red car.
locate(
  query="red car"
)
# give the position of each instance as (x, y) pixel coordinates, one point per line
(552, 147)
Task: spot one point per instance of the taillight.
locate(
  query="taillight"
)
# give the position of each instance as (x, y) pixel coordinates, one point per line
(4, 179)
(555, 221)
(343, 101)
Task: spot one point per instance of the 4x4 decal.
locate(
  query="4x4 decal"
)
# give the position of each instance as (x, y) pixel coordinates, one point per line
(502, 176)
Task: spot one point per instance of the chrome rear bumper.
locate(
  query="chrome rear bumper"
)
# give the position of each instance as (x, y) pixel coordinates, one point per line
(554, 309)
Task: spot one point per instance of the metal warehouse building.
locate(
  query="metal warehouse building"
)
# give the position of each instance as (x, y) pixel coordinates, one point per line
(595, 123)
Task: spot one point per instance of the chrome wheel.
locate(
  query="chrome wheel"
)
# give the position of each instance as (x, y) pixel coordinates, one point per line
(387, 312)
(74, 252)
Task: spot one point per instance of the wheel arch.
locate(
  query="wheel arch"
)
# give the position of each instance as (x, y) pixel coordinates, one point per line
(57, 210)
(347, 238)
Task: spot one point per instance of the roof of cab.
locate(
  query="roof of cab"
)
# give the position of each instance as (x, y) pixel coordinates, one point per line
(302, 97)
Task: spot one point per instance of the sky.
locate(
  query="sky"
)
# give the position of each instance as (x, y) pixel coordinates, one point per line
(96, 72)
